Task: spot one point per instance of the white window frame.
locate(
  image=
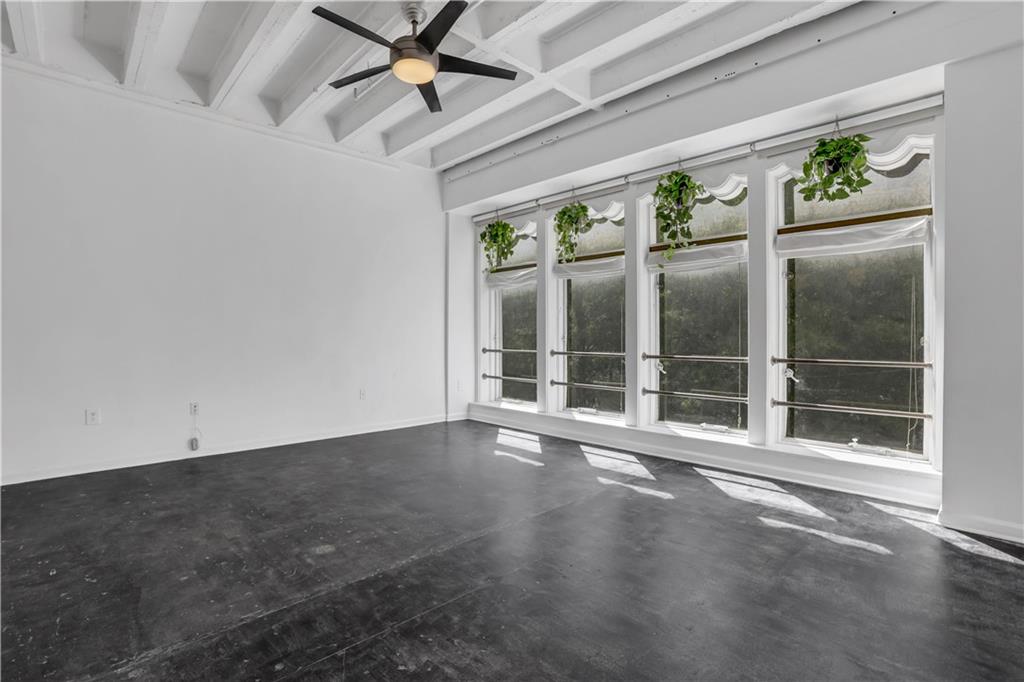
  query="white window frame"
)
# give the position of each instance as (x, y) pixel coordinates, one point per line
(562, 273)
(489, 331)
(731, 186)
(900, 154)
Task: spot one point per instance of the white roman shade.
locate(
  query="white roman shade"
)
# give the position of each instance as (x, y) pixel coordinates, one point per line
(698, 257)
(599, 267)
(855, 239)
(507, 279)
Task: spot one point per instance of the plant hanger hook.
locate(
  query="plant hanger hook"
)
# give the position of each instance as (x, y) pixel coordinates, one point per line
(838, 132)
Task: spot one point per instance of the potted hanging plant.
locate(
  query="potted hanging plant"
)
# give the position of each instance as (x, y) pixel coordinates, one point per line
(674, 199)
(835, 168)
(570, 221)
(499, 241)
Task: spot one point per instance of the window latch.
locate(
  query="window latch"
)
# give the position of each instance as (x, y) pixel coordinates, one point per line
(791, 375)
(661, 367)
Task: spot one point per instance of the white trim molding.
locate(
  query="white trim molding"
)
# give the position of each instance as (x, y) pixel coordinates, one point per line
(902, 153)
(872, 476)
(190, 109)
(219, 449)
(984, 525)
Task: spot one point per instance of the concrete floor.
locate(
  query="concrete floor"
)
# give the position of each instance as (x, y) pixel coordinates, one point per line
(470, 552)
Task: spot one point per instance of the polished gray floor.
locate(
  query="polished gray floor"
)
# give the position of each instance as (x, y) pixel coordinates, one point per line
(465, 551)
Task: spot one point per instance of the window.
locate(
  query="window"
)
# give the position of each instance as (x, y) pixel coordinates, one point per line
(854, 370)
(842, 357)
(594, 317)
(596, 330)
(511, 353)
(518, 343)
(703, 313)
(863, 306)
(699, 366)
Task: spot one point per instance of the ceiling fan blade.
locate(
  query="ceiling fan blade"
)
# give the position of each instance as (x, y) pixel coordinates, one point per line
(429, 93)
(446, 62)
(438, 28)
(351, 26)
(348, 80)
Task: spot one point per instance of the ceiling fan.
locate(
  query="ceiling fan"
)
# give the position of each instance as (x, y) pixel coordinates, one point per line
(414, 58)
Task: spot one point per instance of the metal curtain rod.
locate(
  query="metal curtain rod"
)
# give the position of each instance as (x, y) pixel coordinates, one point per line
(797, 134)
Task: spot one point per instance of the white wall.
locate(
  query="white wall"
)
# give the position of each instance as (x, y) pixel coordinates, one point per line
(151, 258)
(983, 478)
(462, 347)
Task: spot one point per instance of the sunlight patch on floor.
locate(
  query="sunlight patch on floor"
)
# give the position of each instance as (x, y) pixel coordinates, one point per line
(619, 462)
(758, 491)
(518, 458)
(530, 442)
(831, 537)
(637, 488)
(929, 523)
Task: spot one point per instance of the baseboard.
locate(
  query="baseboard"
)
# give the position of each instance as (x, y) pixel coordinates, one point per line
(984, 525)
(458, 416)
(216, 449)
(917, 487)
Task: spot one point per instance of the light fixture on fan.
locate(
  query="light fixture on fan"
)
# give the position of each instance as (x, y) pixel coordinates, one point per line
(411, 63)
(414, 58)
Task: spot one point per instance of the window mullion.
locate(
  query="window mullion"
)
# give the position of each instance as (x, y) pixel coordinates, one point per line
(637, 307)
(760, 299)
(547, 315)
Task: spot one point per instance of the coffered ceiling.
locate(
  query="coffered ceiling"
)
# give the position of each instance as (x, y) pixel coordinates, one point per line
(269, 63)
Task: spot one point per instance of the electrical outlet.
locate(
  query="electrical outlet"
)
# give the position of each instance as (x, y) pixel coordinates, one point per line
(362, 394)
(193, 408)
(93, 416)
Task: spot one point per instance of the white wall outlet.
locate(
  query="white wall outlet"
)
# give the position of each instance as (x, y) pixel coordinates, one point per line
(93, 416)
(193, 408)
(362, 394)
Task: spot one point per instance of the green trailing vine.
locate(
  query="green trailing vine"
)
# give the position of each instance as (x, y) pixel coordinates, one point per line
(674, 200)
(499, 240)
(835, 168)
(570, 221)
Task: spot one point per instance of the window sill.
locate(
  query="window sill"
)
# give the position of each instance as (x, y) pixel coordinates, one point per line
(811, 449)
(916, 483)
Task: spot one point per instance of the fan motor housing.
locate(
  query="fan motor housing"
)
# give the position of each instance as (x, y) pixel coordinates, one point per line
(406, 47)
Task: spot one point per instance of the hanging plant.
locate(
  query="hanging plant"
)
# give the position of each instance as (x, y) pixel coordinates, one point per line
(834, 169)
(674, 199)
(570, 221)
(499, 240)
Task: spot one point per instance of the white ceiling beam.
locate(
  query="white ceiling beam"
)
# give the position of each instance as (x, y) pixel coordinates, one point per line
(346, 54)
(360, 112)
(534, 115)
(465, 107)
(584, 34)
(260, 25)
(663, 42)
(26, 30)
(718, 36)
(143, 30)
(622, 28)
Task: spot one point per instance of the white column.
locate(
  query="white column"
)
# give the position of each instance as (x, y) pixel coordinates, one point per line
(486, 390)
(760, 289)
(547, 314)
(636, 307)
